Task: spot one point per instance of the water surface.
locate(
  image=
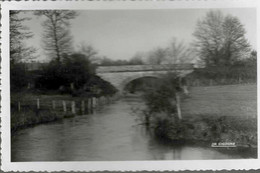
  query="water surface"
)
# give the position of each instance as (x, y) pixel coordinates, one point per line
(110, 134)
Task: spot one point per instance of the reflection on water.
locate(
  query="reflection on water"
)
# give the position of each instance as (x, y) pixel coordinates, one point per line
(110, 134)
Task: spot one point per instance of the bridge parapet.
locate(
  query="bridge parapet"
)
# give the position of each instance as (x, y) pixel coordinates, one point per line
(120, 76)
(136, 68)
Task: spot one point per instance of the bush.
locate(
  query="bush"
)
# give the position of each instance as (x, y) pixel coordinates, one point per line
(100, 87)
(18, 77)
(160, 98)
(74, 75)
(75, 69)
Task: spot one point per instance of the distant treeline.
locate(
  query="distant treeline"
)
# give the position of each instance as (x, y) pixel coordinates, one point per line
(242, 71)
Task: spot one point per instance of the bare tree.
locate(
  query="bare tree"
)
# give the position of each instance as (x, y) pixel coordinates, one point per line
(179, 53)
(137, 59)
(220, 40)
(158, 56)
(235, 44)
(56, 38)
(18, 34)
(176, 53)
(89, 52)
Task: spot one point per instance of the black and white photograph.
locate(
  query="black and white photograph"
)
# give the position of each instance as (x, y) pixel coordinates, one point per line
(98, 85)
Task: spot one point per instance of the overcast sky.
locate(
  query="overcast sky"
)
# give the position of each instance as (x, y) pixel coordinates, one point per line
(119, 34)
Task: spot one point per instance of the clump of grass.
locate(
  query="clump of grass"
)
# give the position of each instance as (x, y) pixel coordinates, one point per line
(240, 130)
(30, 117)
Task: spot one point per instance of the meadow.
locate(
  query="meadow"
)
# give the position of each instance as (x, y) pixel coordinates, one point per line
(224, 100)
(226, 113)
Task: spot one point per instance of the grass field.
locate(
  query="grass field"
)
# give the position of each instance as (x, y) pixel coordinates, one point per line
(226, 113)
(225, 100)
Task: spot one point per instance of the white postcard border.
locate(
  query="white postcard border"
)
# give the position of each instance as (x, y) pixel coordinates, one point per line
(242, 164)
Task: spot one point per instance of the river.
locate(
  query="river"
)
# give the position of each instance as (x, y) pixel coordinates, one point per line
(112, 133)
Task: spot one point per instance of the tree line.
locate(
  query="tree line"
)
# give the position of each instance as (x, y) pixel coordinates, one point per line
(223, 50)
(219, 45)
(68, 71)
(225, 57)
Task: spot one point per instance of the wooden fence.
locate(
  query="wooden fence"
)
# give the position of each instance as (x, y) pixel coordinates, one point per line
(74, 106)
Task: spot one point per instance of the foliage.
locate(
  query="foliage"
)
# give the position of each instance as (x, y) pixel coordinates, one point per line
(56, 38)
(241, 71)
(207, 128)
(74, 75)
(19, 52)
(18, 76)
(103, 87)
(88, 51)
(220, 40)
(160, 97)
(137, 59)
(75, 69)
(204, 120)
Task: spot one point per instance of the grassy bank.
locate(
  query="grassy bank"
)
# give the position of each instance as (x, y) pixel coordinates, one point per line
(210, 129)
(215, 114)
(26, 113)
(28, 118)
(225, 100)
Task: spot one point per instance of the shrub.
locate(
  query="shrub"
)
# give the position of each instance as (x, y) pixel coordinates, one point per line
(18, 77)
(160, 98)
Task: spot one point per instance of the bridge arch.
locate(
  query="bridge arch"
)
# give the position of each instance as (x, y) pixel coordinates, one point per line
(134, 77)
(120, 76)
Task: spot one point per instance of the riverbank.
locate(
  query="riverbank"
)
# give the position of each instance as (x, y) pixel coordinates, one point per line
(29, 109)
(111, 134)
(29, 118)
(235, 131)
(216, 115)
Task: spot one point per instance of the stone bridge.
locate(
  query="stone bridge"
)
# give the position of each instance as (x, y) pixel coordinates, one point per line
(120, 76)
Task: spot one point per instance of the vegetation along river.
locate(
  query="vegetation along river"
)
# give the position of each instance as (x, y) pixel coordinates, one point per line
(110, 134)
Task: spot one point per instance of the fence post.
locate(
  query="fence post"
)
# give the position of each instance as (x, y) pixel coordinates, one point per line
(64, 106)
(19, 106)
(98, 104)
(73, 110)
(38, 103)
(94, 102)
(53, 104)
(178, 106)
(100, 100)
(83, 106)
(89, 105)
